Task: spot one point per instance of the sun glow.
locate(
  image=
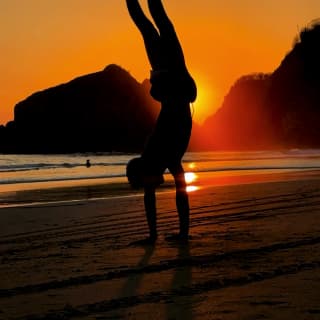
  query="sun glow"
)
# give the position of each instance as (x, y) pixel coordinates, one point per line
(203, 106)
(191, 178)
(192, 188)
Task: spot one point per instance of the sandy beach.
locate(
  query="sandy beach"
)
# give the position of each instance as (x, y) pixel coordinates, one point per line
(253, 254)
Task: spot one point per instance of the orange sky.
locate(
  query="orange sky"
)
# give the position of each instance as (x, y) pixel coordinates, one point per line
(46, 42)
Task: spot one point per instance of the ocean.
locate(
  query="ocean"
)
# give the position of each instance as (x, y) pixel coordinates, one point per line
(31, 172)
(16, 169)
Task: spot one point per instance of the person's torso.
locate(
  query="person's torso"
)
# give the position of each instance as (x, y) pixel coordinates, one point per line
(171, 135)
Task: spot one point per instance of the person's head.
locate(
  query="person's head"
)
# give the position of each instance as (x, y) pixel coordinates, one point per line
(137, 176)
(134, 172)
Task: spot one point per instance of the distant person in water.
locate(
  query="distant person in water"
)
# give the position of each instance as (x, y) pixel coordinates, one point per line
(173, 86)
(88, 164)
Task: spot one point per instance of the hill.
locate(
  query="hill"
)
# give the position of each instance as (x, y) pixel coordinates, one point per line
(103, 111)
(277, 110)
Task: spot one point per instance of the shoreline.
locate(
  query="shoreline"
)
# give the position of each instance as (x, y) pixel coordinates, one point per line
(98, 189)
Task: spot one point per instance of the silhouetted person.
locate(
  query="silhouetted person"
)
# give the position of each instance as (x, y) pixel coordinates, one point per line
(172, 85)
(88, 164)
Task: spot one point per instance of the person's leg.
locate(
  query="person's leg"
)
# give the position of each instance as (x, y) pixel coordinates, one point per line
(182, 200)
(149, 33)
(172, 49)
(172, 53)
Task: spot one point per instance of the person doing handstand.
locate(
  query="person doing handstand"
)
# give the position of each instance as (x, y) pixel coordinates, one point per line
(173, 86)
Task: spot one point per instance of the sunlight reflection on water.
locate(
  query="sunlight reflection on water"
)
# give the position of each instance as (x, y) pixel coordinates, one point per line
(191, 178)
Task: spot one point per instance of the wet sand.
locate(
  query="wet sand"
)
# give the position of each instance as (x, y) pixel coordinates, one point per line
(254, 254)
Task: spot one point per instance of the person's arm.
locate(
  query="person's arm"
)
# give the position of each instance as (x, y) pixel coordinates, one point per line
(151, 211)
(182, 202)
(169, 38)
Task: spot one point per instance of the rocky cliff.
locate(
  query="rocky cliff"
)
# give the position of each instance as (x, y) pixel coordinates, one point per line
(277, 110)
(103, 111)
